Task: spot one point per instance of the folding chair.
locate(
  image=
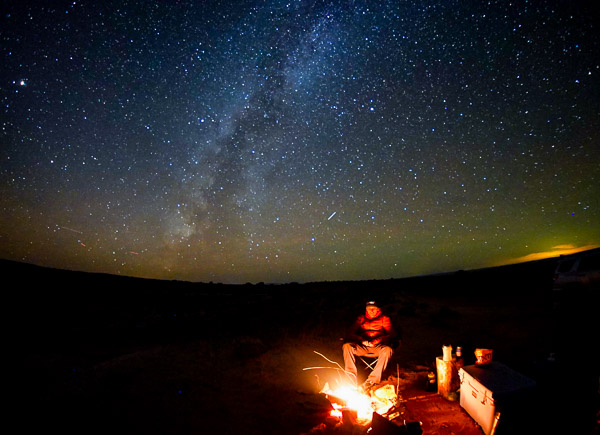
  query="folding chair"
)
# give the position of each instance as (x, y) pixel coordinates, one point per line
(370, 364)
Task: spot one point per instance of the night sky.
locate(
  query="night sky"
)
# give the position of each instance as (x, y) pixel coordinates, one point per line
(279, 141)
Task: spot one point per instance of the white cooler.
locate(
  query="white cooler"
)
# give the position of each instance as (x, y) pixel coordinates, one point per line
(488, 392)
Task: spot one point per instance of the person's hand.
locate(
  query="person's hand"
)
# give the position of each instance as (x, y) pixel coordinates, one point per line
(367, 343)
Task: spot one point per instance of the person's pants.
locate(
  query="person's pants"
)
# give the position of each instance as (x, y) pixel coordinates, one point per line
(352, 350)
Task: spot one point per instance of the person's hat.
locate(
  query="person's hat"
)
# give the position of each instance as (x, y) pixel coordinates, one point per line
(372, 304)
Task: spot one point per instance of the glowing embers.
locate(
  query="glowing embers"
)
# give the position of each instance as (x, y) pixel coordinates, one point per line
(350, 402)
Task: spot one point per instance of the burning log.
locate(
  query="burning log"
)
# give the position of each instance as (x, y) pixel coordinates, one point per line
(353, 407)
(348, 402)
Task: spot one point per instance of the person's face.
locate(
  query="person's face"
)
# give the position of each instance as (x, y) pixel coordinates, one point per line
(372, 311)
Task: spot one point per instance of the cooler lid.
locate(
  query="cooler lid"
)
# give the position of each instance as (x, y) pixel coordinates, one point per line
(499, 378)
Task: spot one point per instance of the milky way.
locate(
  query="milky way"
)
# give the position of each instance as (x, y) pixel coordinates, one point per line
(278, 141)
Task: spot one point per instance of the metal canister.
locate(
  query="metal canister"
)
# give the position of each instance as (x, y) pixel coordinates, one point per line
(431, 382)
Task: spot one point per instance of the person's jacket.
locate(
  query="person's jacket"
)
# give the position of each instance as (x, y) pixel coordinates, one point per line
(378, 330)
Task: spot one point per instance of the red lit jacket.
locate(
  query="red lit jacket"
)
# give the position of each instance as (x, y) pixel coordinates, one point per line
(378, 330)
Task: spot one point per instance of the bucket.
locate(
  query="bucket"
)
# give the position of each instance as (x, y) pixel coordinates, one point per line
(483, 357)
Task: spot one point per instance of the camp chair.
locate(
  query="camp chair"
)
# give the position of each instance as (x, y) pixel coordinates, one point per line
(373, 358)
(372, 363)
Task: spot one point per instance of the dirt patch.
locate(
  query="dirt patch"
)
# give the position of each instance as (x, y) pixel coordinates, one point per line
(153, 357)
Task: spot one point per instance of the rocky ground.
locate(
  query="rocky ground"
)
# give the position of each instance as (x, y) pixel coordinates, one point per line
(97, 353)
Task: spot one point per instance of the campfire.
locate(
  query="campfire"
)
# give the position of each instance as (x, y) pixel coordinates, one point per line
(350, 400)
(351, 404)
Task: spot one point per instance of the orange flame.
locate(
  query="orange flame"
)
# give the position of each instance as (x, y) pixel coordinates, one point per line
(351, 398)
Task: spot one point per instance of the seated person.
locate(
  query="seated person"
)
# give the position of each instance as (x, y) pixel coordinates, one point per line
(372, 334)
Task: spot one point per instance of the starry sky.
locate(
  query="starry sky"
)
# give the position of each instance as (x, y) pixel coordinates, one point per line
(277, 141)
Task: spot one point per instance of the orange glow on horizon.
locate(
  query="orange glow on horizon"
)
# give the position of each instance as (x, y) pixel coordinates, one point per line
(556, 251)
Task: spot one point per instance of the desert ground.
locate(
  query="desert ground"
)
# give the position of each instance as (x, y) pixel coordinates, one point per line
(104, 354)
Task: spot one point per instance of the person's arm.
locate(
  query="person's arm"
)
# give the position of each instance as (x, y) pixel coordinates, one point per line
(354, 335)
(388, 333)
